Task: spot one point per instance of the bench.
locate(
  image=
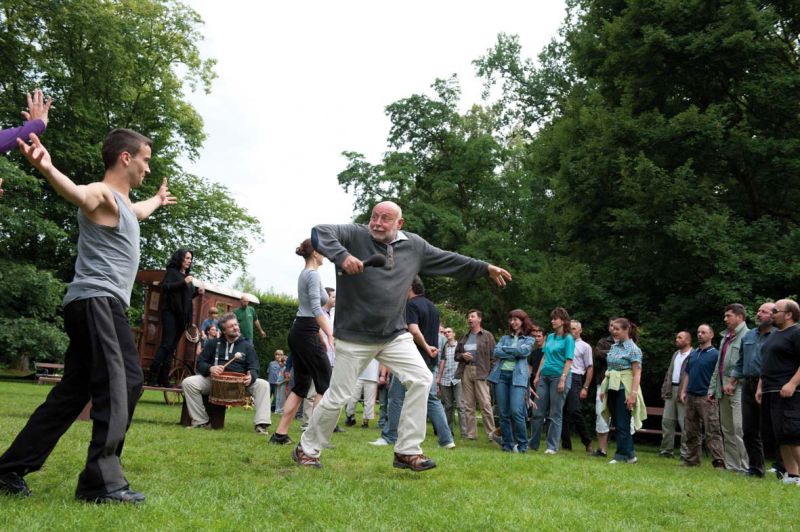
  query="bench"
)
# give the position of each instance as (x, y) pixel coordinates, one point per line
(655, 412)
(48, 372)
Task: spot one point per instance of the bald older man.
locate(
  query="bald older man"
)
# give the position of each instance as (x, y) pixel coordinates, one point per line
(777, 389)
(370, 323)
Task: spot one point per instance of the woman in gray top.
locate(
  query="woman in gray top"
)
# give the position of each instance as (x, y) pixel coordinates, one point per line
(309, 357)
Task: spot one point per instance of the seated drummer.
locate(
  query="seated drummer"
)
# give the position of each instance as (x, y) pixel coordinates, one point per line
(216, 353)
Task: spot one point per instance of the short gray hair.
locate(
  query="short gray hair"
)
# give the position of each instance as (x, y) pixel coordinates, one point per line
(228, 316)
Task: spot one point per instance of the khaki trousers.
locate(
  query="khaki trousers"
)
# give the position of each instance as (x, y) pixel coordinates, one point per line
(196, 386)
(476, 391)
(730, 419)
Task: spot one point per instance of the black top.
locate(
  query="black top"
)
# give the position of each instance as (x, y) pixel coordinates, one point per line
(425, 315)
(599, 358)
(780, 358)
(219, 351)
(178, 294)
(534, 359)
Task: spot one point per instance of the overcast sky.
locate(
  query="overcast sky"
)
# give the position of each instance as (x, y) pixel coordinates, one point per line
(300, 82)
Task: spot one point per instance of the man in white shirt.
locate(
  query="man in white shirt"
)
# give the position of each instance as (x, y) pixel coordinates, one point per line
(582, 371)
(674, 409)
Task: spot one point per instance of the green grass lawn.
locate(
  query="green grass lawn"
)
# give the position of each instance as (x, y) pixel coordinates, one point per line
(232, 479)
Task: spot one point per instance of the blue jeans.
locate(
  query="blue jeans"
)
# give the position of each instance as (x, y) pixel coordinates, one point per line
(551, 404)
(621, 418)
(435, 412)
(511, 402)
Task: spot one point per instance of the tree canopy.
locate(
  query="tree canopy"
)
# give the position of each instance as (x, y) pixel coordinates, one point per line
(647, 165)
(121, 63)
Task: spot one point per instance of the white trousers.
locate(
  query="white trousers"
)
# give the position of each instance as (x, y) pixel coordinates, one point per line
(370, 391)
(196, 386)
(402, 358)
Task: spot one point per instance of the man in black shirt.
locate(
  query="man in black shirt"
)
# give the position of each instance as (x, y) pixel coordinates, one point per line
(777, 388)
(422, 318)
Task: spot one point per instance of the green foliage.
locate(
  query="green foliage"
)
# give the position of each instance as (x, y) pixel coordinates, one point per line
(122, 63)
(29, 318)
(26, 339)
(275, 313)
(646, 165)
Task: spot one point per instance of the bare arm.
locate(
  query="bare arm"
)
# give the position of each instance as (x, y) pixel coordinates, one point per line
(419, 339)
(630, 401)
(562, 382)
(143, 209)
(584, 392)
(87, 197)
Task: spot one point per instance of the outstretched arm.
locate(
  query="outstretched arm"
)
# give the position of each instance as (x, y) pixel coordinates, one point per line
(87, 197)
(143, 209)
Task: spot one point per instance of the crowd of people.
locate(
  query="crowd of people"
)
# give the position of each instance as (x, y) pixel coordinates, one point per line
(741, 397)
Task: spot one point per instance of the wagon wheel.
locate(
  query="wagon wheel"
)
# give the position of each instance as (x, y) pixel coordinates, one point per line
(176, 375)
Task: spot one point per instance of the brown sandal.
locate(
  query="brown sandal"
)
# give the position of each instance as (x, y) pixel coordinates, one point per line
(414, 462)
(302, 459)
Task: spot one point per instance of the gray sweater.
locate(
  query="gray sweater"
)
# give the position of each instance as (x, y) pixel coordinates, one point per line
(370, 307)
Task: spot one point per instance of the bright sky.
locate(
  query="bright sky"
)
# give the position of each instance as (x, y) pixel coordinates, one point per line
(300, 82)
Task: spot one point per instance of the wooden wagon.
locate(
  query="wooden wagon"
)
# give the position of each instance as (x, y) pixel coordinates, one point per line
(149, 335)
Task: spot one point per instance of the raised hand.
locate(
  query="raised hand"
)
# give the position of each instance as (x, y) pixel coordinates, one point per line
(164, 195)
(37, 108)
(36, 153)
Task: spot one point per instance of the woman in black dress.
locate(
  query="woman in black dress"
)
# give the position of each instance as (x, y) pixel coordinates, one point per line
(178, 291)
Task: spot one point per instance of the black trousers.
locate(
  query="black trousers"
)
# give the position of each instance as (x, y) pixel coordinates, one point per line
(162, 362)
(101, 364)
(573, 415)
(309, 358)
(751, 425)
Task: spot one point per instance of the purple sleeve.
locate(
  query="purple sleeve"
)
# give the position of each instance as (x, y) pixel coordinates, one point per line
(8, 137)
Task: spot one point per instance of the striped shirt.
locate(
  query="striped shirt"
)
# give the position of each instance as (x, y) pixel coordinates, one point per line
(450, 365)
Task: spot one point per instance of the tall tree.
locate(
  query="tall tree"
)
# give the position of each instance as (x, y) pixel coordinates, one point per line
(648, 164)
(108, 64)
(123, 63)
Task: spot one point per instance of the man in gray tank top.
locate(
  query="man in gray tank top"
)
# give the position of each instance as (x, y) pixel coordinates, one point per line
(101, 363)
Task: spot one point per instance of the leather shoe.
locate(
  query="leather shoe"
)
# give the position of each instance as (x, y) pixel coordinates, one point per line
(122, 496)
(13, 484)
(414, 462)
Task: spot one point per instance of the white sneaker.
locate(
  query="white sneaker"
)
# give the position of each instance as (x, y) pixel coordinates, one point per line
(628, 461)
(791, 480)
(451, 445)
(379, 442)
(550, 451)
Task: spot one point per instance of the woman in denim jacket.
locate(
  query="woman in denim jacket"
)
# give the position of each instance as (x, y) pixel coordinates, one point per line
(510, 378)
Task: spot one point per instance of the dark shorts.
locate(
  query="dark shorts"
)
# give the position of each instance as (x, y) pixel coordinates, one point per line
(309, 358)
(784, 417)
